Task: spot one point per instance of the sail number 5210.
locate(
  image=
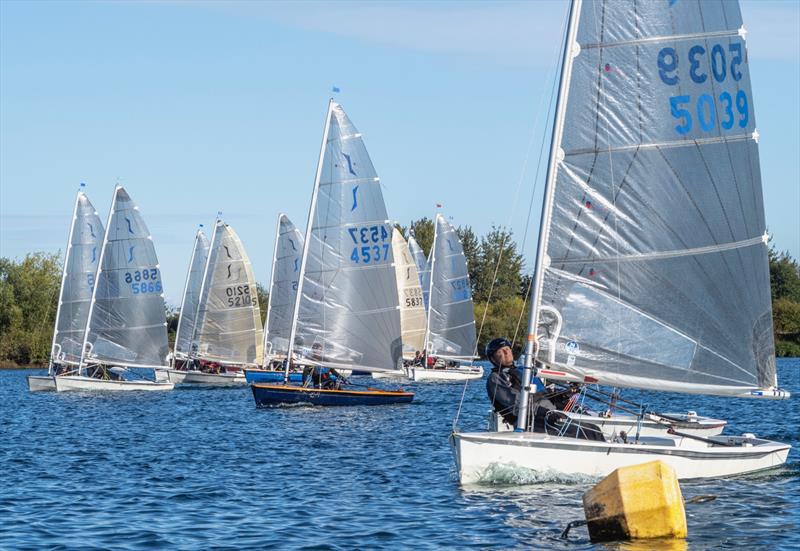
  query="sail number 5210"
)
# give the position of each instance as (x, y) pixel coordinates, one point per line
(370, 244)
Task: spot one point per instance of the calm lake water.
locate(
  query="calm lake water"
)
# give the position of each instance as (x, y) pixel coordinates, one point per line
(204, 468)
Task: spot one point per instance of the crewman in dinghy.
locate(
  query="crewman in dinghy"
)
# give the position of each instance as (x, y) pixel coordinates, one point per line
(503, 387)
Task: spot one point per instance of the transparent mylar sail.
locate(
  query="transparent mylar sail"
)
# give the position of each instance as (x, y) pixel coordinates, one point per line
(283, 291)
(228, 327)
(412, 309)
(656, 273)
(191, 295)
(451, 318)
(423, 267)
(80, 267)
(348, 305)
(128, 324)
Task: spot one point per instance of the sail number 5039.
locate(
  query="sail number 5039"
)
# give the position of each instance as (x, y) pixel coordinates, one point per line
(370, 244)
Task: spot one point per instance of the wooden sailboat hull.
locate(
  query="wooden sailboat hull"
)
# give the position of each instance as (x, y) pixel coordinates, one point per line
(39, 383)
(267, 395)
(270, 376)
(479, 455)
(67, 383)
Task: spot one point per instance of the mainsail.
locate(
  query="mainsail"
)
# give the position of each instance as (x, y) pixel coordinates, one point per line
(348, 302)
(283, 288)
(412, 309)
(654, 268)
(127, 322)
(451, 318)
(191, 295)
(77, 281)
(228, 326)
(423, 267)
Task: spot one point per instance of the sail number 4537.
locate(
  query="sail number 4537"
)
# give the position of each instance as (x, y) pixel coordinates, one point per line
(370, 244)
(714, 64)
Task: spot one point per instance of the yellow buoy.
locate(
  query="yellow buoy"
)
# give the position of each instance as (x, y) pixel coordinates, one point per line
(640, 501)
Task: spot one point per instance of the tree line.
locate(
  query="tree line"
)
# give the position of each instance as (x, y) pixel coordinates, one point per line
(499, 278)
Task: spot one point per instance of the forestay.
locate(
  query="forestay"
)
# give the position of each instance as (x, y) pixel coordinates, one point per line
(656, 273)
(412, 310)
(451, 318)
(228, 328)
(127, 322)
(191, 294)
(77, 281)
(283, 289)
(348, 292)
(423, 267)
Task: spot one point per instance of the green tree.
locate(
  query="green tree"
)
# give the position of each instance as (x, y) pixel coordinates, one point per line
(471, 246)
(263, 300)
(784, 276)
(500, 267)
(422, 230)
(502, 320)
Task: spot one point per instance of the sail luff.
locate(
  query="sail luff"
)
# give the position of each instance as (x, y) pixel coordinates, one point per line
(547, 208)
(267, 348)
(430, 288)
(309, 222)
(81, 364)
(63, 279)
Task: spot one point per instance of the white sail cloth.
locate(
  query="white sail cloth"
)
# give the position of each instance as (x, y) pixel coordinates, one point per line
(283, 289)
(127, 323)
(77, 281)
(423, 267)
(228, 327)
(348, 304)
(451, 317)
(409, 291)
(191, 294)
(656, 273)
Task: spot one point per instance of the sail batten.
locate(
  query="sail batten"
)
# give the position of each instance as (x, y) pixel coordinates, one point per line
(654, 267)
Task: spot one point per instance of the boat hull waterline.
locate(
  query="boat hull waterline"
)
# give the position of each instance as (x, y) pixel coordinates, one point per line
(40, 383)
(75, 383)
(477, 453)
(273, 395)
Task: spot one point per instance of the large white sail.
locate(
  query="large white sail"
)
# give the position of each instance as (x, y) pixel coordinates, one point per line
(283, 289)
(191, 294)
(348, 302)
(77, 281)
(654, 257)
(228, 327)
(451, 318)
(423, 267)
(127, 322)
(409, 291)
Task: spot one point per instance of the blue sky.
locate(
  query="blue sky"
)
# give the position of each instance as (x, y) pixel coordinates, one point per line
(203, 106)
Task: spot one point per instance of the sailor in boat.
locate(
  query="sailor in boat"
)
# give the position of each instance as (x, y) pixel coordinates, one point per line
(319, 376)
(546, 405)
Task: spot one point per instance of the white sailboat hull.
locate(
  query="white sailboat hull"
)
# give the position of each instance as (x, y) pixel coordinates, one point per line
(611, 426)
(66, 383)
(207, 379)
(478, 454)
(422, 374)
(39, 383)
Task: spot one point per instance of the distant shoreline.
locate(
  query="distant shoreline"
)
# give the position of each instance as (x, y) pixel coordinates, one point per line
(12, 366)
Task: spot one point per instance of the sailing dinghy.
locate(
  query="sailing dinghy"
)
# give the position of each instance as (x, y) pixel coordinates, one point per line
(227, 335)
(286, 258)
(651, 268)
(188, 314)
(77, 279)
(347, 315)
(126, 326)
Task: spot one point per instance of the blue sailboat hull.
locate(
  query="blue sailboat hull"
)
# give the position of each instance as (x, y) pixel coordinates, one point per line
(267, 395)
(266, 376)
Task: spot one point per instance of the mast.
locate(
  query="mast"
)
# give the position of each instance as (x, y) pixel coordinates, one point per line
(203, 286)
(307, 241)
(430, 286)
(547, 208)
(183, 299)
(97, 278)
(271, 281)
(63, 278)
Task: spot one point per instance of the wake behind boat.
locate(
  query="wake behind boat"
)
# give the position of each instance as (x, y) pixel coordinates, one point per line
(346, 315)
